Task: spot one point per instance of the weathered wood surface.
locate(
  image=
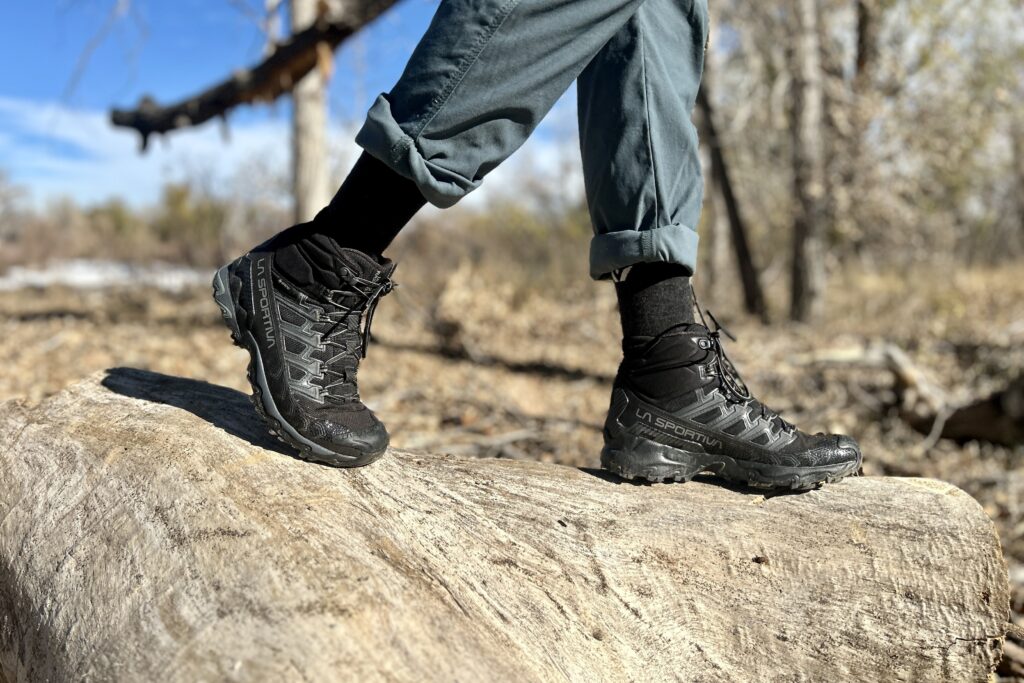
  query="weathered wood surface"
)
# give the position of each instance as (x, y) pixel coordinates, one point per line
(151, 532)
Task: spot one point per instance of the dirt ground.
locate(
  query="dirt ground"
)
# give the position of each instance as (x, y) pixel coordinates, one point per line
(485, 369)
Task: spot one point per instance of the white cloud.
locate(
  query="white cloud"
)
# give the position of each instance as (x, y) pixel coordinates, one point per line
(56, 150)
(60, 151)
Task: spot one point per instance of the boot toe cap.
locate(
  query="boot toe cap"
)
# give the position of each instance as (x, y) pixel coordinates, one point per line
(339, 445)
(356, 447)
(844, 450)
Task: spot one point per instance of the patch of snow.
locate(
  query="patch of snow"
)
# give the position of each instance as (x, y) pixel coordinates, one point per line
(90, 274)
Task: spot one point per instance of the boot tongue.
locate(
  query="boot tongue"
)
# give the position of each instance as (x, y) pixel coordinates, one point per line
(312, 260)
(372, 269)
(327, 266)
(367, 266)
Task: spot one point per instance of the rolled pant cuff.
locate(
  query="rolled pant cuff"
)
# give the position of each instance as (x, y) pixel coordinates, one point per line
(382, 137)
(612, 251)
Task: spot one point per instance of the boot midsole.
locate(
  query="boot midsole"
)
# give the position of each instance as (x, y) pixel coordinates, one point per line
(636, 456)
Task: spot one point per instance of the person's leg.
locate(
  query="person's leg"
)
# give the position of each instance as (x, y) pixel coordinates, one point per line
(481, 79)
(678, 407)
(644, 186)
(478, 84)
(653, 297)
(371, 207)
(366, 214)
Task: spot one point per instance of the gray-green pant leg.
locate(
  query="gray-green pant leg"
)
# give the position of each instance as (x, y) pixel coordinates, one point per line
(487, 71)
(641, 162)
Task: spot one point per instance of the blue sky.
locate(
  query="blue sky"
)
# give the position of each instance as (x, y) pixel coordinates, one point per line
(54, 137)
(168, 49)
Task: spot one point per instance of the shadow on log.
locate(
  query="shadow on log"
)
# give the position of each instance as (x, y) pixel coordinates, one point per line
(151, 531)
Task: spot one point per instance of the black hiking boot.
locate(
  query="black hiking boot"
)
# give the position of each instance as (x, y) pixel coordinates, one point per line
(679, 408)
(304, 346)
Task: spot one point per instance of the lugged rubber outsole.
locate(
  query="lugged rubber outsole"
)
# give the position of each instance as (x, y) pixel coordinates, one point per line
(636, 458)
(261, 398)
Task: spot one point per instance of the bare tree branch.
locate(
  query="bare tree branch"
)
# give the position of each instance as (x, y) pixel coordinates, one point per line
(118, 10)
(248, 11)
(273, 77)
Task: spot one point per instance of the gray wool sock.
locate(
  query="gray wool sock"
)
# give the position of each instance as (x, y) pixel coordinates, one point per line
(654, 297)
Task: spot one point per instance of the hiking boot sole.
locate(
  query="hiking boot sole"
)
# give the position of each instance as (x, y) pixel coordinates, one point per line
(261, 396)
(636, 458)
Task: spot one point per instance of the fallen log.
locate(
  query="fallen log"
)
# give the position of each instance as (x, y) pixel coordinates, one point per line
(925, 406)
(151, 530)
(997, 418)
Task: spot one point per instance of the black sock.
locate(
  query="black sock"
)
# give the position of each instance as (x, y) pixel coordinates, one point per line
(654, 297)
(371, 207)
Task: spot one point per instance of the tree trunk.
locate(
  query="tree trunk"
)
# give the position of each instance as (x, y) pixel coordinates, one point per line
(714, 228)
(807, 275)
(753, 295)
(309, 127)
(867, 44)
(1016, 237)
(858, 176)
(151, 530)
(715, 268)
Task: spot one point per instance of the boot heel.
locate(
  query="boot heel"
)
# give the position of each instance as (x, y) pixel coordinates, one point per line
(634, 457)
(222, 295)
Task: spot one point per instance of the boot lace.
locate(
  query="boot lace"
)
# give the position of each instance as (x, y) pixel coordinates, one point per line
(735, 389)
(361, 296)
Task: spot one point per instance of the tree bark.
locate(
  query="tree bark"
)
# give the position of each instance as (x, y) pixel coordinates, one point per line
(807, 270)
(151, 530)
(309, 126)
(753, 294)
